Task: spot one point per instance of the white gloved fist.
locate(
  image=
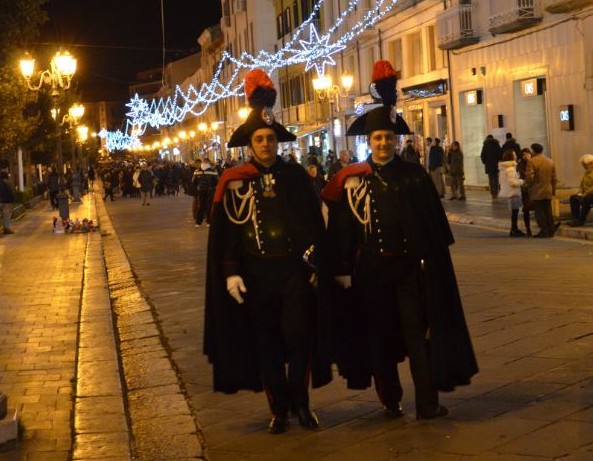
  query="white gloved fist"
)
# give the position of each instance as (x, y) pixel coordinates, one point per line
(345, 281)
(235, 286)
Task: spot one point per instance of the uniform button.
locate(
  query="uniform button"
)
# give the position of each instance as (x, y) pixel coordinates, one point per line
(263, 252)
(382, 250)
(376, 220)
(380, 240)
(259, 221)
(261, 231)
(379, 231)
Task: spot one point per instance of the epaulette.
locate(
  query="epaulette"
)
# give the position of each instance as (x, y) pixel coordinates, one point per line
(238, 173)
(335, 188)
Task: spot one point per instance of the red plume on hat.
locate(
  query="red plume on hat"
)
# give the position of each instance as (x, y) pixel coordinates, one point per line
(384, 117)
(259, 89)
(261, 96)
(385, 81)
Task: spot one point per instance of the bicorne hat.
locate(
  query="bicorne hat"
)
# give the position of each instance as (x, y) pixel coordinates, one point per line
(261, 96)
(383, 89)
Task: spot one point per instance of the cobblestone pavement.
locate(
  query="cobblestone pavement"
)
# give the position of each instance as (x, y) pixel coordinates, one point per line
(71, 348)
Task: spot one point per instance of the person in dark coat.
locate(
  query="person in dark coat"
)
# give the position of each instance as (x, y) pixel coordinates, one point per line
(511, 143)
(205, 179)
(390, 256)
(491, 154)
(260, 311)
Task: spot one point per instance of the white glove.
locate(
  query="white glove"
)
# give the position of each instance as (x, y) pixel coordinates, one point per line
(345, 281)
(235, 286)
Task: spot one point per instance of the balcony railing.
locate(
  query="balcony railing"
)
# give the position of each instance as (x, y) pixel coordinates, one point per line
(514, 15)
(565, 6)
(402, 5)
(456, 27)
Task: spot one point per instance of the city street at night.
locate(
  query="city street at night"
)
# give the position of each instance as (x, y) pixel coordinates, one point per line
(527, 303)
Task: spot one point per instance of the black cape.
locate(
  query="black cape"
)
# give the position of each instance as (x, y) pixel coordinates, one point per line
(429, 236)
(229, 341)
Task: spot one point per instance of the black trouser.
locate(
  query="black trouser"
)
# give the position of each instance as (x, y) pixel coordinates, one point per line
(282, 317)
(543, 217)
(580, 206)
(391, 292)
(53, 198)
(205, 198)
(493, 184)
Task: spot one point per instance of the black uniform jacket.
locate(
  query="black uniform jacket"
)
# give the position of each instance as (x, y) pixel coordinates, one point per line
(428, 236)
(229, 342)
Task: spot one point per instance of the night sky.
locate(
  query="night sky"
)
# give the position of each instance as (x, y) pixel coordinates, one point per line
(113, 40)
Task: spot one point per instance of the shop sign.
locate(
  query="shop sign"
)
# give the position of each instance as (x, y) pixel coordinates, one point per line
(532, 87)
(566, 115)
(473, 97)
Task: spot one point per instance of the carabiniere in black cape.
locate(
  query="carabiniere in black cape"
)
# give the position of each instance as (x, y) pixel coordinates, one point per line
(229, 341)
(428, 237)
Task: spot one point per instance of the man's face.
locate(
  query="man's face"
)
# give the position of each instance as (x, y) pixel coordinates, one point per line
(344, 156)
(264, 146)
(383, 145)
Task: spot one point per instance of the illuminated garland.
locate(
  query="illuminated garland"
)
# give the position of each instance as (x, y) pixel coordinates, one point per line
(316, 52)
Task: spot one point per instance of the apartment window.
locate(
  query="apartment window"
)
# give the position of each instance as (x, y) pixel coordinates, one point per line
(279, 26)
(436, 56)
(252, 39)
(306, 8)
(286, 21)
(394, 50)
(414, 59)
(295, 13)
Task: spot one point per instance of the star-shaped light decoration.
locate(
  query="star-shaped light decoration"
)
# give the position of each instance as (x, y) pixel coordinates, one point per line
(317, 52)
(138, 109)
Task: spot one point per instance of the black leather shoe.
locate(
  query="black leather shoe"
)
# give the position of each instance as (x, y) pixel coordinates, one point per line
(278, 425)
(397, 412)
(307, 418)
(438, 412)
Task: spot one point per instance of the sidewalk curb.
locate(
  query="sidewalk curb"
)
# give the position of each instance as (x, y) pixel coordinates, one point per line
(162, 423)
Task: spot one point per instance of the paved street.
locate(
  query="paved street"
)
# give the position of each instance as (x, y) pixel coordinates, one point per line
(527, 302)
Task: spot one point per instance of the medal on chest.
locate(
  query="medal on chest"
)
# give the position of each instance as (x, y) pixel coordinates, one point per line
(268, 182)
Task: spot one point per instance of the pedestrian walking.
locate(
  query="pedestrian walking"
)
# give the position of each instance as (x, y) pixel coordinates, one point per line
(205, 178)
(456, 171)
(265, 233)
(410, 153)
(6, 202)
(511, 143)
(582, 201)
(145, 178)
(540, 177)
(510, 188)
(390, 237)
(525, 198)
(91, 176)
(341, 162)
(53, 187)
(490, 155)
(108, 184)
(436, 166)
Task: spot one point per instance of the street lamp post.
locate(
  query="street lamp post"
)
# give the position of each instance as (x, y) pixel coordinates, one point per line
(209, 130)
(326, 89)
(58, 77)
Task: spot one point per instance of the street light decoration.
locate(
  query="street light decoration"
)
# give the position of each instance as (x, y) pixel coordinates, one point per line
(58, 76)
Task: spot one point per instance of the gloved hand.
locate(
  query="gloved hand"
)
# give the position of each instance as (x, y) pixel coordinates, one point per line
(345, 281)
(235, 286)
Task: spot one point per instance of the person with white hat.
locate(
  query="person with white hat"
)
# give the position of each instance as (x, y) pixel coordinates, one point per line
(390, 256)
(582, 201)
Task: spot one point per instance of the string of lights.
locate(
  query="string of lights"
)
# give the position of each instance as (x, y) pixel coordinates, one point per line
(315, 52)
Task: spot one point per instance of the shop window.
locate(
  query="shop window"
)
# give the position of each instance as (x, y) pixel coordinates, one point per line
(286, 21)
(279, 27)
